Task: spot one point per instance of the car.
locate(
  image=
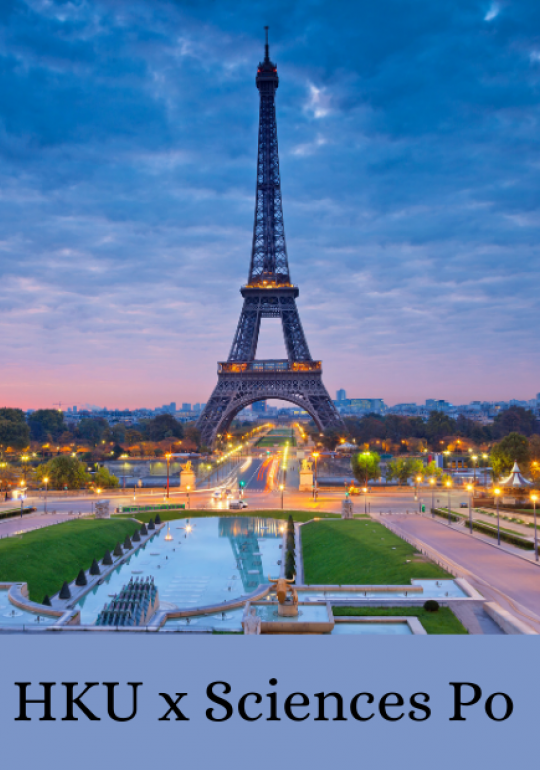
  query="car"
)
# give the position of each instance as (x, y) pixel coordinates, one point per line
(237, 505)
(463, 505)
(228, 493)
(218, 494)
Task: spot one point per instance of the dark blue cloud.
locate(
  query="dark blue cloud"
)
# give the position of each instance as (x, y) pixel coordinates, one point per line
(410, 150)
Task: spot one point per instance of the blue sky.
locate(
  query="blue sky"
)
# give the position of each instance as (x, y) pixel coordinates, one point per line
(410, 155)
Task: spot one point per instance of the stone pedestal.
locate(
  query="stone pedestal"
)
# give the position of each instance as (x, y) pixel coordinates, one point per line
(101, 509)
(347, 508)
(287, 610)
(306, 481)
(187, 479)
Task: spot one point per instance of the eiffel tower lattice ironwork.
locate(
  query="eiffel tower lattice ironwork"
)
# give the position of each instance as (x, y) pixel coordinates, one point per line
(269, 293)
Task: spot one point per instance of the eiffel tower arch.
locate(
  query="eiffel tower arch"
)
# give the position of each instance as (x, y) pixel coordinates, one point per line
(269, 293)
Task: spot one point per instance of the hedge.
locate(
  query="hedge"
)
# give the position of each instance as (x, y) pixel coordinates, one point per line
(12, 512)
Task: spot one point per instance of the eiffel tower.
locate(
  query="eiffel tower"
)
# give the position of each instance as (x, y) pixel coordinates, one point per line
(269, 293)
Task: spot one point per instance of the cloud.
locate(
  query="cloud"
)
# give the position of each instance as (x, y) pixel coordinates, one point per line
(409, 159)
(493, 12)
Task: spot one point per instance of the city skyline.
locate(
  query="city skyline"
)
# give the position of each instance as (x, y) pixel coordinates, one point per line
(410, 202)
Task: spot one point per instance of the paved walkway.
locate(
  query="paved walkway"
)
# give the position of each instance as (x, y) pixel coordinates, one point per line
(498, 575)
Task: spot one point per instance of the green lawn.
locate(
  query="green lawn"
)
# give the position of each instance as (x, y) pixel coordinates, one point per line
(300, 516)
(360, 552)
(270, 441)
(46, 557)
(442, 622)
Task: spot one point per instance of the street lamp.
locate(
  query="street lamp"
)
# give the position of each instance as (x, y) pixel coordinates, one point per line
(46, 480)
(497, 492)
(449, 485)
(168, 462)
(418, 480)
(315, 490)
(474, 458)
(534, 498)
(281, 489)
(432, 483)
(470, 489)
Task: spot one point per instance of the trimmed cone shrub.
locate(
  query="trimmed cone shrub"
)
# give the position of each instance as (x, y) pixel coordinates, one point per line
(290, 542)
(127, 544)
(289, 566)
(290, 524)
(136, 537)
(151, 524)
(65, 593)
(118, 550)
(94, 569)
(144, 531)
(107, 559)
(81, 579)
(158, 519)
(46, 601)
(431, 605)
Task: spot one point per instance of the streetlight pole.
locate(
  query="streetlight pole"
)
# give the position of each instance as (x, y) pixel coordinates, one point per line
(470, 488)
(315, 489)
(432, 482)
(46, 480)
(449, 484)
(474, 459)
(281, 486)
(364, 490)
(188, 488)
(168, 461)
(497, 493)
(534, 498)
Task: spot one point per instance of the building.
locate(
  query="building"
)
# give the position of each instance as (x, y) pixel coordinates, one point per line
(341, 395)
(259, 406)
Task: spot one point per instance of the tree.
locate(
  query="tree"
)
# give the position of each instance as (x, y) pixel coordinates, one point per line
(93, 429)
(104, 479)
(63, 472)
(14, 431)
(516, 419)
(402, 468)
(514, 448)
(163, 426)
(432, 470)
(366, 466)
(118, 433)
(46, 424)
(534, 453)
(192, 433)
(439, 425)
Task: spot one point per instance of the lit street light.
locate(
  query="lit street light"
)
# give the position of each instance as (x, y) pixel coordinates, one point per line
(449, 485)
(470, 489)
(534, 498)
(432, 483)
(497, 493)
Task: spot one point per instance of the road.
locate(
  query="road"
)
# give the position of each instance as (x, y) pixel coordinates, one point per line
(508, 575)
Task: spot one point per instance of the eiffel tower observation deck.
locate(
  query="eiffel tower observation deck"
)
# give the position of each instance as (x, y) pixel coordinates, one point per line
(269, 293)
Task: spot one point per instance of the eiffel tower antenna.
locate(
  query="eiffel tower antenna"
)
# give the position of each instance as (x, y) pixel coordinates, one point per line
(269, 293)
(266, 49)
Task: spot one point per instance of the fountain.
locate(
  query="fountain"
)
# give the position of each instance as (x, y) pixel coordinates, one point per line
(287, 605)
(168, 536)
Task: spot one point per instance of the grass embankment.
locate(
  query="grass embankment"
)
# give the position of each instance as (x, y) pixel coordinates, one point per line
(442, 622)
(300, 516)
(361, 553)
(46, 557)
